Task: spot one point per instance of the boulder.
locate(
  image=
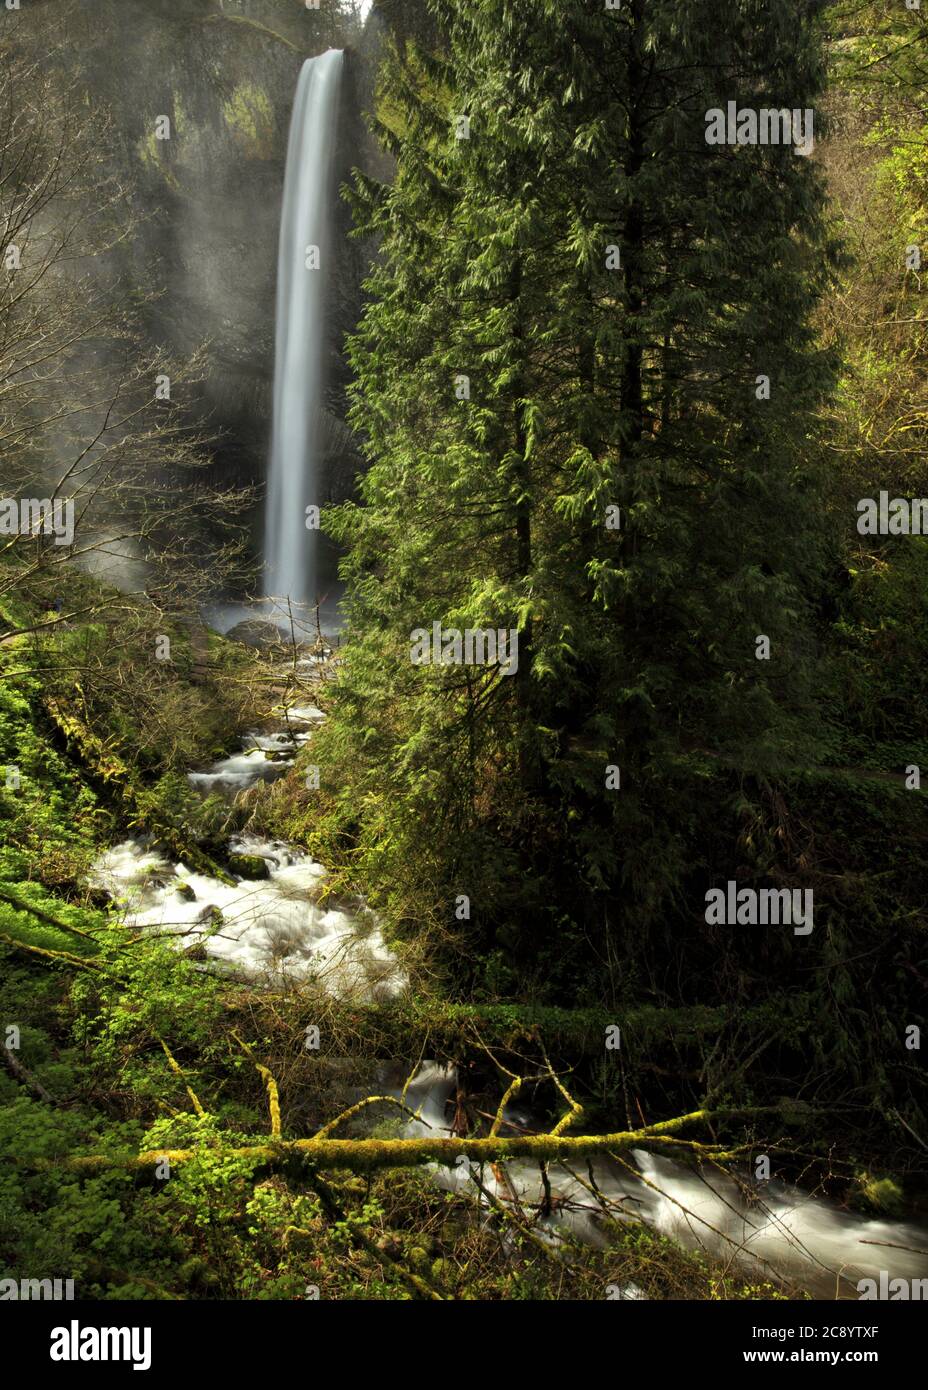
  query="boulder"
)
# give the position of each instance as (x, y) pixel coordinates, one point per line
(257, 633)
(249, 865)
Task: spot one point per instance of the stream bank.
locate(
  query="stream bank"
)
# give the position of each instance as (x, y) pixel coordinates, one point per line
(273, 931)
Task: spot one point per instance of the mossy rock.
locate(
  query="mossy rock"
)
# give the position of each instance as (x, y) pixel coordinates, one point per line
(880, 1194)
(257, 633)
(211, 918)
(249, 866)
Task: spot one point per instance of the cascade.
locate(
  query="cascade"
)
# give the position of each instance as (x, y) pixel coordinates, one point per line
(303, 263)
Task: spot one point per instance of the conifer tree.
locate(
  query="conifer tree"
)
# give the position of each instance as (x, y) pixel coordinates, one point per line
(585, 380)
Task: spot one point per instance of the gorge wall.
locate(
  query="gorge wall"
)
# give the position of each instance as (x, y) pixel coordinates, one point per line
(209, 197)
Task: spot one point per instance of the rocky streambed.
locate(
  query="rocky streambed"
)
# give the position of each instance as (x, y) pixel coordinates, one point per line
(270, 926)
(269, 923)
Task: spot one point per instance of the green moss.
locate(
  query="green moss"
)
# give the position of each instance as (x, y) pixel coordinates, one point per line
(249, 117)
(248, 865)
(880, 1194)
(150, 153)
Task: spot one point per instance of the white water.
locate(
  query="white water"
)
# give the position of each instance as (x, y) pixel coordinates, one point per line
(293, 475)
(264, 756)
(272, 929)
(768, 1230)
(268, 929)
(276, 930)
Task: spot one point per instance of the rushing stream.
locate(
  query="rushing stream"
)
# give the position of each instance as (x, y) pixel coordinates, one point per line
(269, 927)
(275, 928)
(777, 1229)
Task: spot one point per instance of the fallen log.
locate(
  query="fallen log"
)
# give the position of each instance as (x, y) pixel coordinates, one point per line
(368, 1155)
(106, 765)
(400, 1028)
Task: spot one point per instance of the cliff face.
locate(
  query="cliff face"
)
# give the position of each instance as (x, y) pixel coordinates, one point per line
(223, 73)
(199, 94)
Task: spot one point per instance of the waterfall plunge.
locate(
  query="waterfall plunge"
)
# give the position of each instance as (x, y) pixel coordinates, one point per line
(293, 474)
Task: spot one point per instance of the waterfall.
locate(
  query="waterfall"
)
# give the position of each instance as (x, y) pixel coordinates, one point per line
(290, 548)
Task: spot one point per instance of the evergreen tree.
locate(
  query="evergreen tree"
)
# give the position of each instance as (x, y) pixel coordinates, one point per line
(613, 288)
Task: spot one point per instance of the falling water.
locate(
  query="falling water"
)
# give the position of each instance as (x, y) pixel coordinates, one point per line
(304, 244)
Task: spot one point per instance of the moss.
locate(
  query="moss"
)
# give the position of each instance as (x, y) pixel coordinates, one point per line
(181, 124)
(880, 1194)
(367, 1155)
(249, 117)
(150, 153)
(248, 865)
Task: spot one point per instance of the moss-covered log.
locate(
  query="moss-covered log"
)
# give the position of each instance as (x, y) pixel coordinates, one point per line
(106, 766)
(401, 1028)
(366, 1155)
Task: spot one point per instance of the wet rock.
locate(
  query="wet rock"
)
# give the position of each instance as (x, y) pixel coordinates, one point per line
(211, 917)
(249, 866)
(256, 633)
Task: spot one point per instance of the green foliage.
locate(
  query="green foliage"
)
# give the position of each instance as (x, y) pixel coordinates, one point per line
(154, 716)
(51, 819)
(881, 662)
(589, 387)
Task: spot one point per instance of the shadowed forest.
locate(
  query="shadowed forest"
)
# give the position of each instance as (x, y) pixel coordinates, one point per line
(463, 658)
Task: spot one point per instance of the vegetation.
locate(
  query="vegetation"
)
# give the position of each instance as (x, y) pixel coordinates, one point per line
(619, 392)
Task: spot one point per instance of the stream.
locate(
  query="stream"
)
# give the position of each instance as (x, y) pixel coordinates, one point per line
(276, 929)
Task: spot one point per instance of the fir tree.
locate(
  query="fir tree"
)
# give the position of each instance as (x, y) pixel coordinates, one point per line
(613, 288)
